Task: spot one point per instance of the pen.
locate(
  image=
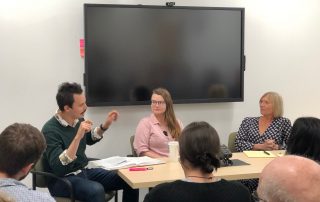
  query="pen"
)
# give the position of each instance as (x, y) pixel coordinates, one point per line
(121, 162)
(266, 152)
(140, 168)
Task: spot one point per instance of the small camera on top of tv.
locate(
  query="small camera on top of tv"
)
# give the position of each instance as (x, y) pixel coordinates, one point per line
(170, 4)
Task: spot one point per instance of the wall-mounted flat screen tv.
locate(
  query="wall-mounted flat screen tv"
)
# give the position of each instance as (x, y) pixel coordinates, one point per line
(197, 53)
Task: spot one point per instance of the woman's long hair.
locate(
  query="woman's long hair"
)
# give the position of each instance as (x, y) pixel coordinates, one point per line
(169, 116)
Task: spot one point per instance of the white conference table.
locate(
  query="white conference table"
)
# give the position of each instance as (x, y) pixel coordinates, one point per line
(171, 171)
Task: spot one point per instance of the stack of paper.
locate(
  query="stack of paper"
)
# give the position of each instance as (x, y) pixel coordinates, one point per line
(117, 162)
(259, 154)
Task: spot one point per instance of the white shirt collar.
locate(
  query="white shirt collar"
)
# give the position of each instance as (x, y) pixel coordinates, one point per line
(64, 122)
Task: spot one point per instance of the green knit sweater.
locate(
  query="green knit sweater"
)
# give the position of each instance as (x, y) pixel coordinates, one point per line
(58, 139)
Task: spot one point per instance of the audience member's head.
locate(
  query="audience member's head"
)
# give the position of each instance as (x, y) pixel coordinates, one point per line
(276, 101)
(199, 147)
(21, 145)
(290, 178)
(65, 94)
(305, 138)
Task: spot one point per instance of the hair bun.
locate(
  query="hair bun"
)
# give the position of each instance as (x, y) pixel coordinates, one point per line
(206, 162)
(204, 158)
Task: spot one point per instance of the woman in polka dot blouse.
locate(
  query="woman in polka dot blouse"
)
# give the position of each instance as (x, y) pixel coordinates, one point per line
(270, 131)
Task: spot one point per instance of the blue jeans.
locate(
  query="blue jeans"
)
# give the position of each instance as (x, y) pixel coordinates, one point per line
(91, 184)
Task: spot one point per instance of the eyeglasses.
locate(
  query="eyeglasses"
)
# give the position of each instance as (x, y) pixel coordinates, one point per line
(155, 102)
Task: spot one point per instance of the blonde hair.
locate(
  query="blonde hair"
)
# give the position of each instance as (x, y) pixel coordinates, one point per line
(277, 103)
(169, 116)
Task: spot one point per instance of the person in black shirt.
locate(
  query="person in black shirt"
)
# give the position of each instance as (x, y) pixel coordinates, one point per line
(305, 138)
(199, 146)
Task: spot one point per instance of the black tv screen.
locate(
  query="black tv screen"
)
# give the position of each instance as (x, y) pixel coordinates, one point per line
(197, 53)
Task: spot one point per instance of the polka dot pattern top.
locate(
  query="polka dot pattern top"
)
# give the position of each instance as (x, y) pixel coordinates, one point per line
(248, 134)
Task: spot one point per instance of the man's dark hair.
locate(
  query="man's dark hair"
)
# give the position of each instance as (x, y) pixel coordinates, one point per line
(199, 145)
(65, 94)
(304, 139)
(20, 145)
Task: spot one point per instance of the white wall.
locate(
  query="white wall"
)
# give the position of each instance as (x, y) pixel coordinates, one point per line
(39, 49)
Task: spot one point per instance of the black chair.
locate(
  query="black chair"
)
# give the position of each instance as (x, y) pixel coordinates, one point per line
(40, 178)
(134, 154)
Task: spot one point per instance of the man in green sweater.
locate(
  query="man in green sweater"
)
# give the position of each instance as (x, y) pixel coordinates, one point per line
(67, 133)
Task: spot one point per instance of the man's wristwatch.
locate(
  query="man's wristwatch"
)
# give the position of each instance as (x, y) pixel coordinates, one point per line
(102, 128)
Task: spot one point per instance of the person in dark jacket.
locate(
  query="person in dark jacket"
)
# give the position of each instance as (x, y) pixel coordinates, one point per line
(199, 146)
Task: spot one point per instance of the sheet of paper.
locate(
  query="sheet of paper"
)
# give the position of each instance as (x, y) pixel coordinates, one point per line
(82, 48)
(117, 162)
(259, 154)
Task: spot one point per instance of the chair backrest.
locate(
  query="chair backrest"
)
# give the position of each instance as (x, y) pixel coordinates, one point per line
(41, 166)
(134, 154)
(231, 142)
